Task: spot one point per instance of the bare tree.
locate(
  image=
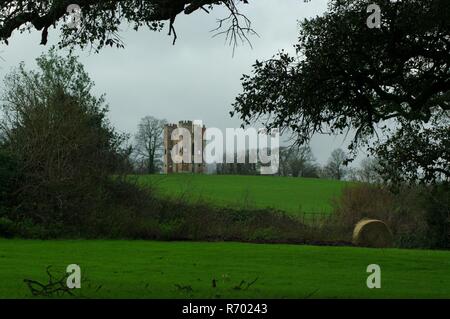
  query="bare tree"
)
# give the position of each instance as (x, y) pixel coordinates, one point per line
(302, 162)
(149, 142)
(336, 167)
(285, 153)
(298, 161)
(368, 171)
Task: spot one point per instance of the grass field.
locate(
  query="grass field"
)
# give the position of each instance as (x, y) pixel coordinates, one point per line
(290, 194)
(139, 269)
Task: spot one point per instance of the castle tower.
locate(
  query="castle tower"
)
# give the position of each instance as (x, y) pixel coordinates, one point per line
(168, 145)
(190, 167)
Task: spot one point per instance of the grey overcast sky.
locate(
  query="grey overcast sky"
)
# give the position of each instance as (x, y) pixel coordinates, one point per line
(197, 78)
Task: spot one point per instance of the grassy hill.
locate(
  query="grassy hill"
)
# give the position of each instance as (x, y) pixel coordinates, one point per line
(146, 269)
(285, 193)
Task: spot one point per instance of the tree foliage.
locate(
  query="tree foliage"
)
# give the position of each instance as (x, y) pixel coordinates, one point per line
(58, 133)
(8, 179)
(101, 19)
(347, 76)
(417, 152)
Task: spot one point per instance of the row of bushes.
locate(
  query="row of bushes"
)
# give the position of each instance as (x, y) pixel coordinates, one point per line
(418, 218)
(130, 212)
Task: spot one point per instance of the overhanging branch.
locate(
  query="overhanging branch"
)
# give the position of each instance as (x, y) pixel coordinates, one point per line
(19, 14)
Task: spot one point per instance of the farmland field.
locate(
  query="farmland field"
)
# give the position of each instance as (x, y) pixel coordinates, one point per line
(146, 269)
(286, 193)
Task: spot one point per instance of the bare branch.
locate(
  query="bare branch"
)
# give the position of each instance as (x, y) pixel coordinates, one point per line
(239, 27)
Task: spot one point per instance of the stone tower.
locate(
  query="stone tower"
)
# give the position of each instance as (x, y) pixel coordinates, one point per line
(190, 167)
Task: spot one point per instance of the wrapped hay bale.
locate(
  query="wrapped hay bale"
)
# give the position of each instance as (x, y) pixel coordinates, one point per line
(372, 233)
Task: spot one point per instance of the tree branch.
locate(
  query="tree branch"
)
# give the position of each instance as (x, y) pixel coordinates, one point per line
(16, 15)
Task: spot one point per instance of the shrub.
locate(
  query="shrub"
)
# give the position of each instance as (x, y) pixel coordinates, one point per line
(58, 133)
(416, 215)
(136, 213)
(437, 205)
(8, 176)
(7, 229)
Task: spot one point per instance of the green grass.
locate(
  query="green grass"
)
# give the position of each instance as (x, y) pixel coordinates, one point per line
(139, 269)
(286, 193)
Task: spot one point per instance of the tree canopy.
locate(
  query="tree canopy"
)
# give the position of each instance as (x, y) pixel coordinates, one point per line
(59, 137)
(101, 19)
(417, 152)
(348, 76)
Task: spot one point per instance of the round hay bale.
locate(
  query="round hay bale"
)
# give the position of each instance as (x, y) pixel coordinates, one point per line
(372, 233)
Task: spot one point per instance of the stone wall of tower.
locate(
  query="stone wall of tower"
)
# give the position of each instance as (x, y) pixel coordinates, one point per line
(171, 167)
(191, 167)
(168, 145)
(186, 167)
